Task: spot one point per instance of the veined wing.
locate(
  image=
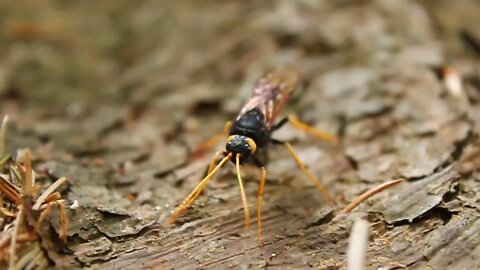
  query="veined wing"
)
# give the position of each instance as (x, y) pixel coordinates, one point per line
(272, 93)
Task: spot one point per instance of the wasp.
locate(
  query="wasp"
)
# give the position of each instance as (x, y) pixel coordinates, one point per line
(251, 132)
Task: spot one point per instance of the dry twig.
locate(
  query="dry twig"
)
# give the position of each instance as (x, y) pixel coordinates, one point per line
(47, 192)
(369, 193)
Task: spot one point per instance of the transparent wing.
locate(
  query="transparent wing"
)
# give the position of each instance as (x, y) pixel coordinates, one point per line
(272, 93)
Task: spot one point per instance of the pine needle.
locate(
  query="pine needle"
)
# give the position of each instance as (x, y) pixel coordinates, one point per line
(3, 132)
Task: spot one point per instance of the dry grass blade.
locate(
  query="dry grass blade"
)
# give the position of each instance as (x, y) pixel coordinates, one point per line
(16, 173)
(30, 256)
(43, 215)
(37, 261)
(53, 197)
(47, 192)
(6, 212)
(4, 159)
(369, 193)
(28, 181)
(3, 132)
(47, 205)
(10, 191)
(5, 237)
(19, 242)
(63, 222)
(13, 240)
(358, 245)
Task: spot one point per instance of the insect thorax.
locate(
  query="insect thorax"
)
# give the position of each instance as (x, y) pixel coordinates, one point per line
(252, 125)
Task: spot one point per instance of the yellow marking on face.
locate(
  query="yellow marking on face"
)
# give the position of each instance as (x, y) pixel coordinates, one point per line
(230, 137)
(252, 144)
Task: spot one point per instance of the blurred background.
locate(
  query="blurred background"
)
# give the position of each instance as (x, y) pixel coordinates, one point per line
(171, 60)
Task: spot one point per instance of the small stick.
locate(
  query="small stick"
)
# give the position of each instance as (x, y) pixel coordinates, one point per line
(28, 180)
(29, 257)
(9, 191)
(6, 212)
(358, 245)
(46, 210)
(35, 262)
(47, 205)
(6, 236)
(53, 197)
(369, 193)
(43, 264)
(47, 192)
(3, 132)
(63, 222)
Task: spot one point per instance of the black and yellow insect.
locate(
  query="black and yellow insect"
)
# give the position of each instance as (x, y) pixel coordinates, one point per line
(252, 131)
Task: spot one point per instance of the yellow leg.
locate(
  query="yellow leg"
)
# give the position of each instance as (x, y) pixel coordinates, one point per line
(211, 167)
(314, 131)
(204, 146)
(196, 191)
(261, 187)
(202, 186)
(214, 160)
(309, 175)
(242, 192)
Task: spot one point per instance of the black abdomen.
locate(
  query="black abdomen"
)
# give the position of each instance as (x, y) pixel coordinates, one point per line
(252, 124)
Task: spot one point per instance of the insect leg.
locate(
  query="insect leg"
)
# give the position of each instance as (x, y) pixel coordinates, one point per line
(204, 146)
(261, 187)
(214, 160)
(314, 131)
(242, 191)
(280, 123)
(309, 175)
(196, 191)
(211, 167)
(275, 141)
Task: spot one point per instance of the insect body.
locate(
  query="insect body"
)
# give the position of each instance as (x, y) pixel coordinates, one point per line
(252, 130)
(253, 126)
